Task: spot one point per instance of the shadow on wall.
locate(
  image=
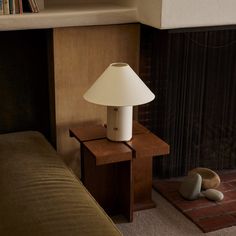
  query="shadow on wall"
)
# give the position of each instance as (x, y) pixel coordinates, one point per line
(24, 96)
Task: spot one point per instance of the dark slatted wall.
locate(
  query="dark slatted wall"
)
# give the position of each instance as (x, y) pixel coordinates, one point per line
(193, 74)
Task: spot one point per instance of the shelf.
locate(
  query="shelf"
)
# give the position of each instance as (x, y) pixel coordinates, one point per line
(172, 14)
(80, 14)
(161, 14)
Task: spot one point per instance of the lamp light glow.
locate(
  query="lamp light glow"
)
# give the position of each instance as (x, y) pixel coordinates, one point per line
(119, 88)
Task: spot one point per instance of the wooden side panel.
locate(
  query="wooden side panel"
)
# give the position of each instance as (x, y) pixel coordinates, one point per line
(81, 54)
(110, 184)
(142, 174)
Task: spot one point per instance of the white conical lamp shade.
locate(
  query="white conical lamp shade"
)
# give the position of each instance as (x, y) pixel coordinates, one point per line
(119, 85)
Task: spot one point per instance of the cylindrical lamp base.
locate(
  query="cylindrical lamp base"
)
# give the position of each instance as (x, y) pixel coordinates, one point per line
(119, 123)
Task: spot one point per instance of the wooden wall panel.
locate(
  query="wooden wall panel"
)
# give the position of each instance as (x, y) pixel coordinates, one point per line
(81, 54)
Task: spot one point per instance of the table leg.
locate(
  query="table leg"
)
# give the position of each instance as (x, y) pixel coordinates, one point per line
(110, 185)
(142, 176)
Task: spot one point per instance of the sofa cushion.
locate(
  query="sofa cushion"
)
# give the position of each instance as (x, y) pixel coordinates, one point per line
(41, 196)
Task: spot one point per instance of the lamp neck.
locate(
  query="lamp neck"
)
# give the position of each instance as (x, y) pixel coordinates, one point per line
(119, 123)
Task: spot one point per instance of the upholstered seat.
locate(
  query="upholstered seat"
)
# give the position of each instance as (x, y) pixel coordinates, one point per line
(40, 196)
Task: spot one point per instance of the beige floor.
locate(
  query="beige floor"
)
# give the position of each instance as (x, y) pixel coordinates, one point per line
(164, 220)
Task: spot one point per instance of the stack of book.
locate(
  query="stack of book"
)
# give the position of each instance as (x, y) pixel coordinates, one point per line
(18, 6)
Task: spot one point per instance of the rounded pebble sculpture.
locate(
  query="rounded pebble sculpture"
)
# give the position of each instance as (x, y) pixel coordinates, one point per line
(210, 179)
(191, 186)
(213, 194)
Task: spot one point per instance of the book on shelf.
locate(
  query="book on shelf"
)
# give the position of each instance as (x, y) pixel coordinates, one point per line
(6, 9)
(18, 6)
(12, 7)
(34, 5)
(29, 6)
(1, 7)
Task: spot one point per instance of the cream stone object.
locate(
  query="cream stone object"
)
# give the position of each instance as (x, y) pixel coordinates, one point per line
(191, 187)
(210, 179)
(213, 194)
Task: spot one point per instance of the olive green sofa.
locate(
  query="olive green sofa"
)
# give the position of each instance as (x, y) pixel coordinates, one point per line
(40, 196)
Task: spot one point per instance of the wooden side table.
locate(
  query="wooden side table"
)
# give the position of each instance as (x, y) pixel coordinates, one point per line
(119, 174)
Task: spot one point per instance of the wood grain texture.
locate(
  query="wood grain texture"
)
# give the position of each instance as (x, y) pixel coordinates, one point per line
(92, 132)
(106, 152)
(81, 54)
(145, 145)
(148, 144)
(99, 156)
(110, 184)
(142, 177)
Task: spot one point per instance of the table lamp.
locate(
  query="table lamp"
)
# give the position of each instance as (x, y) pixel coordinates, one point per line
(119, 88)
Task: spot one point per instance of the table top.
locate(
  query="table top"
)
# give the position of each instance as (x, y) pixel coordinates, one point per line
(90, 132)
(106, 152)
(148, 144)
(143, 143)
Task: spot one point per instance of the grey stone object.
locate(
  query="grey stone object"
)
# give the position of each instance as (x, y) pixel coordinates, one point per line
(190, 188)
(213, 194)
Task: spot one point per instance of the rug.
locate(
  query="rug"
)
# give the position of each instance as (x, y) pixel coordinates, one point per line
(207, 215)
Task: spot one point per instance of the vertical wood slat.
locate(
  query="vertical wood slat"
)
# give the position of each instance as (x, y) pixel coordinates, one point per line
(193, 75)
